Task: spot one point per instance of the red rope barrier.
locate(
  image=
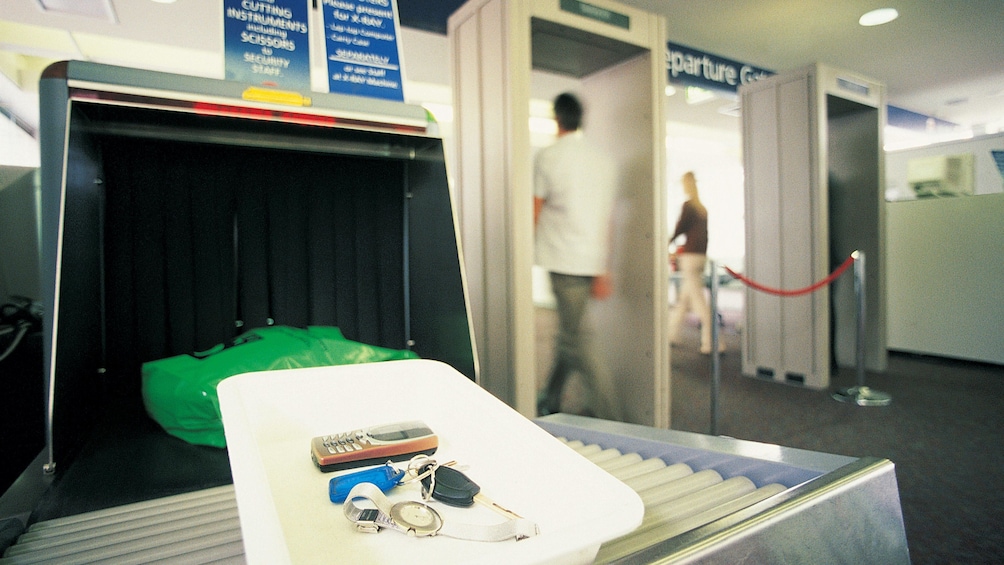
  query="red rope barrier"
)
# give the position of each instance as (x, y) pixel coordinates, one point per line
(781, 292)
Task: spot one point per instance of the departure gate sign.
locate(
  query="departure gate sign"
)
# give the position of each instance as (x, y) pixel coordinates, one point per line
(363, 55)
(266, 42)
(689, 66)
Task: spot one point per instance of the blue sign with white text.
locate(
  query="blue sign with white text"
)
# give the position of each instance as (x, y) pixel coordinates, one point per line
(266, 42)
(999, 160)
(695, 68)
(363, 56)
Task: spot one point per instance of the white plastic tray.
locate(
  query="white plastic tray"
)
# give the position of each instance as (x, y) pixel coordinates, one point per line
(285, 514)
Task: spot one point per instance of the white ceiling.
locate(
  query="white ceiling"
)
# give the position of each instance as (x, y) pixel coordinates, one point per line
(942, 58)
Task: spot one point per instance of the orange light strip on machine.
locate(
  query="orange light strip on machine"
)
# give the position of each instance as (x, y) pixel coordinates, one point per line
(228, 110)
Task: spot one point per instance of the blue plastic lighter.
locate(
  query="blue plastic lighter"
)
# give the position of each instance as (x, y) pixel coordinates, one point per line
(385, 478)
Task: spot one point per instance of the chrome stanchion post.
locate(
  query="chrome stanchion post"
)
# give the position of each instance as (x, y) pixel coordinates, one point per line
(859, 295)
(715, 378)
(861, 394)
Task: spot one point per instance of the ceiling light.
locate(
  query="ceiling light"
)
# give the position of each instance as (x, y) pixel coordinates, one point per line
(164, 1)
(698, 95)
(878, 17)
(101, 9)
(730, 110)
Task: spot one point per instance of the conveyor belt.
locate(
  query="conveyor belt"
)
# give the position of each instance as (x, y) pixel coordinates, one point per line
(676, 498)
(203, 526)
(721, 500)
(196, 527)
(706, 499)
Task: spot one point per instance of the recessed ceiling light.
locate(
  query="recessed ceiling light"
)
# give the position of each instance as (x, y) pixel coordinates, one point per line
(101, 9)
(730, 110)
(164, 1)
(698, 95)
(878, 17)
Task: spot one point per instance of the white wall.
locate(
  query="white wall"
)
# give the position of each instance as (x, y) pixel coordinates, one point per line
(17, 148)
(19, 274)
(945, 269)
(715, 157)
(19, 98)
(944, 261)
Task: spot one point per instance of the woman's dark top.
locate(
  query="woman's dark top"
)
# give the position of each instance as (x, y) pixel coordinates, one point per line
(693, 223)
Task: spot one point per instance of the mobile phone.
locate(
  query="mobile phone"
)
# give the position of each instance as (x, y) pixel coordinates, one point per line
(372, 446)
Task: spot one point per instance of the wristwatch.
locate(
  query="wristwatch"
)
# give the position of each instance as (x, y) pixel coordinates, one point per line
(418, 519)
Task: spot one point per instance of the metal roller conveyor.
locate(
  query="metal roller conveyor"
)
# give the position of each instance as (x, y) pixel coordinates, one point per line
(716, 499)
(643, 467)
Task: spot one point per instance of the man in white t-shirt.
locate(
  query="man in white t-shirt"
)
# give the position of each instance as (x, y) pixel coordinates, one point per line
(575, 186)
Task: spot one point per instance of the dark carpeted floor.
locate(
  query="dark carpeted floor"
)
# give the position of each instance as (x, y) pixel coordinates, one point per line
(942, 431)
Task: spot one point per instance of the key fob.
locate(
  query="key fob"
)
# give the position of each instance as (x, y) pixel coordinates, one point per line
(385, 478)
(452, 487)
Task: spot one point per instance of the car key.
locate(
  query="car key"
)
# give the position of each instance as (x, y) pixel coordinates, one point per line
(454, 488)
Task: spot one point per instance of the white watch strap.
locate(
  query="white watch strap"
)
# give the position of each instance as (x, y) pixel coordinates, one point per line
(519, 529)
(368, 491)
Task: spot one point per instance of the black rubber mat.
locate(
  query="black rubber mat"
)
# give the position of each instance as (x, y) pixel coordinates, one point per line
(129, 458)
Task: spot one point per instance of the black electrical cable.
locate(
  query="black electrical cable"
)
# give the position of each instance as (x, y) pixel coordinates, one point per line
(23, 327)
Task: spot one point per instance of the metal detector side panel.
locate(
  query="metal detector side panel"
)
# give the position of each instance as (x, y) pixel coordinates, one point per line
(814, 194)
(781, 341)
(494, 184)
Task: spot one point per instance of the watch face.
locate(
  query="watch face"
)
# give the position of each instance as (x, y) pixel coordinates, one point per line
(417, 517)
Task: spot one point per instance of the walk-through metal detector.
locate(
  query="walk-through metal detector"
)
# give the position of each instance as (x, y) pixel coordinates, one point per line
(617, 55)
(814, 175)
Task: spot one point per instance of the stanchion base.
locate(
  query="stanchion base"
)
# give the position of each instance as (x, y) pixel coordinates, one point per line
(862, 396)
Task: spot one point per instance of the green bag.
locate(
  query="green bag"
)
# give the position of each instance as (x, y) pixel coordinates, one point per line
(180, 392)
